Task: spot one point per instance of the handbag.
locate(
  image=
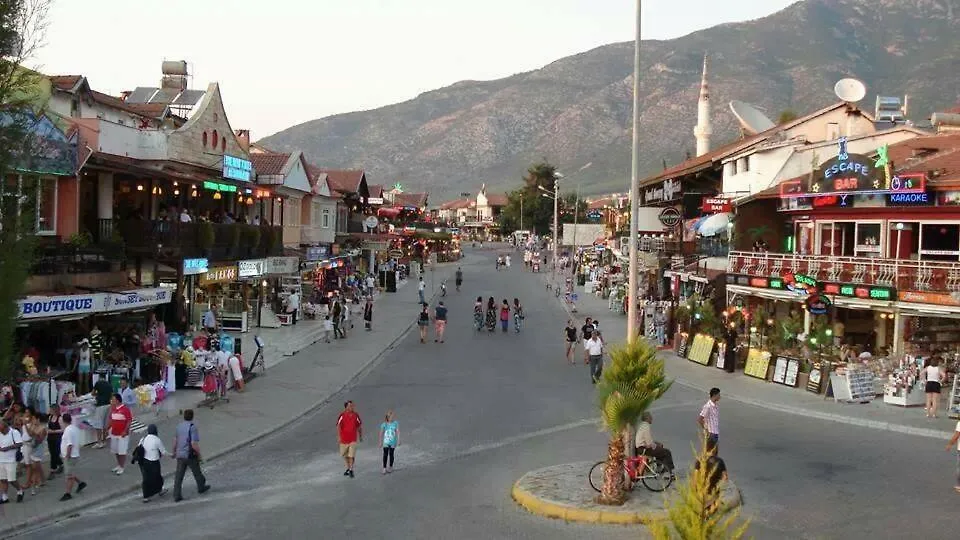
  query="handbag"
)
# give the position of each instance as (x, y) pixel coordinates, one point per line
(138, 453)
(19, 455)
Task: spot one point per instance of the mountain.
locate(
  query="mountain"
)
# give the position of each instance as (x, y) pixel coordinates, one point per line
(577, 110)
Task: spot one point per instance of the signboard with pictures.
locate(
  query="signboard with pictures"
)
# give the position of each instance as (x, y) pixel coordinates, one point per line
(815, 380)
(757, 363)
(721, 355)
(682, 345)
(785, 371)
(701, 349)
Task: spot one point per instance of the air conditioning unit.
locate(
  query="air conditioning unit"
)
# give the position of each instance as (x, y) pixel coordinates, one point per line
(890, 109)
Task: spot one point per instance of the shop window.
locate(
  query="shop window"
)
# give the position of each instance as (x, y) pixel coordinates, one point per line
(326, 218)
(868, 240)
(204, 137)
(33, 199)
(940, 242)
(214, 138)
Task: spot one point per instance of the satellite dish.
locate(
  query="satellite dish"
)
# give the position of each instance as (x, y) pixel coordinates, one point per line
(850, 90)
(751, 119)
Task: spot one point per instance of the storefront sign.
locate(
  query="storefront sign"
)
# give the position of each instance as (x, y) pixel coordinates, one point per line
(716, 205)
(594, 215)
(252, 268)
(236, 168)
(281, 265)
(758, 282)
(800, 283)
(139, 298)
(216, 186)
(666, 191)
(910, 199)
(948, 198)
(192, 267)
(36, 307)
(818, 304)
(670, 217)
(843, 200)
(374, 200)
(852, 173)
(315, 253)
(219, 274)
(865, 292)
(939, 299)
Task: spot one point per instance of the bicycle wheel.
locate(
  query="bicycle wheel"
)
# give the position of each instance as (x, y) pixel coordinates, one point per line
(655, 476)
(596, 475)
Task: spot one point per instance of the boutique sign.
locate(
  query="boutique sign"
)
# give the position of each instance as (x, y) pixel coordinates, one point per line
(37, 307)
(139, 298)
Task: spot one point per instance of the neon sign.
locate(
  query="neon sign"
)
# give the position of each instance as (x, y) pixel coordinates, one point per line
(865, 292)
(854, 173)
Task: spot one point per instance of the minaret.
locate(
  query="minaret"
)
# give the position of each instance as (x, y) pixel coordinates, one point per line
(702, 130)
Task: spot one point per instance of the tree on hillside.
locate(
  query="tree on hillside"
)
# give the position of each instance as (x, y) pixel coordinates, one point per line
(22, 26)
(537, 209)
(786, 116)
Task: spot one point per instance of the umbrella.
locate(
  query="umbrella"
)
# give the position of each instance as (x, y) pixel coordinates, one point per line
(715, 224)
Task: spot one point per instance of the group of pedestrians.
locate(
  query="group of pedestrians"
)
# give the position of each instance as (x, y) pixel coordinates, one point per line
(488, 317)
(593, 346)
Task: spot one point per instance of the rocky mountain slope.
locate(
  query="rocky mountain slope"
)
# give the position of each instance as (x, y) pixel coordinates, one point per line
(577, 110)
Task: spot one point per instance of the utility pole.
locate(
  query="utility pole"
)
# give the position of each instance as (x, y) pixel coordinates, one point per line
(634, 192)
(556, 222)
(521, 210)
(576, 212)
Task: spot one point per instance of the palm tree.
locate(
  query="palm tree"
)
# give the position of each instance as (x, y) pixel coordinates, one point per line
(634, 380)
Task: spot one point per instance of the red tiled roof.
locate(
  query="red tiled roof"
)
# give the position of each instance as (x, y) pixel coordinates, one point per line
(953, 110)
(65, 82)
(456, 204)
(376, 190)
(497, 199)
(344, 181)
(269, 164)
(418, 200)
(600, 203)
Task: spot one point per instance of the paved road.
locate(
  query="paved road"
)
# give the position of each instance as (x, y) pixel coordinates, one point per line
(480, 410)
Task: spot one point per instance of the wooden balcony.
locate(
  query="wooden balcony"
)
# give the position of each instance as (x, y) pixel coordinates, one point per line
(215, 241)
(900, 274)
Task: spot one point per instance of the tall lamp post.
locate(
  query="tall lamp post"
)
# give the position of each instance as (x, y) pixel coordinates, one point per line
(521, 210)
(632, 282)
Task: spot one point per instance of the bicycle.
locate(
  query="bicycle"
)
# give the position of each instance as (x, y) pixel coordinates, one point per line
(650, 471)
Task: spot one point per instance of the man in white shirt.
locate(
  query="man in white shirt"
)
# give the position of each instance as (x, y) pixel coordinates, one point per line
(646, 445)
(421, 287)
(70, 450)
(10, 443)
(955, 443)
(293, 305)
(594, 348)
(370, 283)
(185, 216)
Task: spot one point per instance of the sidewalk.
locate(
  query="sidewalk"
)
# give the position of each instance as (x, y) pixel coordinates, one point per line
(290, 389)
(739, 387)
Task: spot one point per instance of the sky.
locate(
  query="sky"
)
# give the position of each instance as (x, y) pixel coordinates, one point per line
(284, 62)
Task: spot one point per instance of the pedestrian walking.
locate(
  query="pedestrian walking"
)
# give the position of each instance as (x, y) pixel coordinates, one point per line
(327, 328)
(491, 315)
(586, 331)
(389, 440)
(517, 315)
(102, 391)
(349, 432)
(54, 435)
(371, 284)
(34, 437)
(337, 316)
(423, 320)
(439, 321)
(147, 455)
(504, 315)
(594, 350)
(459, 278)
(955, 443)
(186, 448)
(70, 450)
(934, 375)
(421, 288)
(478, 313)
(368, 314)
(120, 419)
(709, 421)
(10, 442)
(570, 338)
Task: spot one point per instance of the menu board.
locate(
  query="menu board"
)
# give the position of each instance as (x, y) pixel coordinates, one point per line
(793, 370)
(721, 355)
(757, 363)
(860, 383)
(701, 349)
(780, 370)
(815, 381)
(682, 346)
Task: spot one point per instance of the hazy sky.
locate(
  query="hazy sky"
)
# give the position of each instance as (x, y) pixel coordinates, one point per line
(283, 62)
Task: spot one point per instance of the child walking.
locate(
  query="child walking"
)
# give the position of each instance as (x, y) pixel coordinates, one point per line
(389, 440)
(327, 328)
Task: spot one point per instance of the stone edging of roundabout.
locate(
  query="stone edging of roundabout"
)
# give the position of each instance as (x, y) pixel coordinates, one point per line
(563, 492)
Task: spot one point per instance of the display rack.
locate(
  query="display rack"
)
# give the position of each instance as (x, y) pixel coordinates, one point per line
(855, 385)
(953, 405)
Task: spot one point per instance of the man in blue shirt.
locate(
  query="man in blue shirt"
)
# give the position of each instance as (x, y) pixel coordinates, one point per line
(186, 448)
(440, 321)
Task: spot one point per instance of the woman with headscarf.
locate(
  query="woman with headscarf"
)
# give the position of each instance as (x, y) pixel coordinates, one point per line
(149, 459)
(491, 316)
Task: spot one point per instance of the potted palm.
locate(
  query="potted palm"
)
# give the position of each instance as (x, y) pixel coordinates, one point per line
(632, 382)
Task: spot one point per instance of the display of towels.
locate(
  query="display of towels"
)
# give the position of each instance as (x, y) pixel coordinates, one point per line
(40, 394)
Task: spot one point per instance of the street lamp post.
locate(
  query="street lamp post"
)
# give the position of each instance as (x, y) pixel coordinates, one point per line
(632, 282)
(521, 210)
(556, 222)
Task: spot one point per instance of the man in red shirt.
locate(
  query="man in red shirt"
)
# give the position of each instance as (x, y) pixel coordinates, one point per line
(120, 419)
(349, 431)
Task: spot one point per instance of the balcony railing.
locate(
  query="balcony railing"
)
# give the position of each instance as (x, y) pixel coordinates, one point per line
(215, 241)
(901, 274)
(67, 258)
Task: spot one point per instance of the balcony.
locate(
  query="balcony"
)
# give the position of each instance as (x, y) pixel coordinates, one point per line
(901, 274)
(215, 241)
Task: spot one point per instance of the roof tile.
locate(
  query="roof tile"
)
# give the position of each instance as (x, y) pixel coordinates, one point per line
(269, 163)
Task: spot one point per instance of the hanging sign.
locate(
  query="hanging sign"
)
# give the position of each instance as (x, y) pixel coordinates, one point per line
(818, 304)
(670, 217)
(315, 253)
(716, 205)
(799, 283)
(139, 298)
(219, 274)
(237, 168)
(36, 307)
(281, 265)
(853, 173)
(192, 267)
(865, 292)
(252, 268)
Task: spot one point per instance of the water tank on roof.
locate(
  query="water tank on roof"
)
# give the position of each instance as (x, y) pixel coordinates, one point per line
(174, 67)
(945, 119)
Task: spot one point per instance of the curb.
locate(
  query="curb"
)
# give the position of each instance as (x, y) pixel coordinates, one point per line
(554, 510)
(808, 413)
(58, 515)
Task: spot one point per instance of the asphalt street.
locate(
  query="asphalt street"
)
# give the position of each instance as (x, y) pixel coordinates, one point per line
(481, 409)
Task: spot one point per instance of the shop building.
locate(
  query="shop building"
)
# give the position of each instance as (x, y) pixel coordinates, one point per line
(287, 173)
(877, 231)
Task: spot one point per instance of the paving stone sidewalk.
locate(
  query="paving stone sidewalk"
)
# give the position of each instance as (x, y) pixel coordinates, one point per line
(292, 387)
(739, 387)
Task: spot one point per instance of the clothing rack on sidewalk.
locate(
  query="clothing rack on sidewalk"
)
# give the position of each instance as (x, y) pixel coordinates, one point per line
(953, 404)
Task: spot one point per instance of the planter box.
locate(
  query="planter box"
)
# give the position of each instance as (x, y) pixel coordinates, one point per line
(802, 380)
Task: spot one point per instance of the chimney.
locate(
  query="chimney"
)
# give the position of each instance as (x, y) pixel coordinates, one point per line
(125, 94)
(243, 137)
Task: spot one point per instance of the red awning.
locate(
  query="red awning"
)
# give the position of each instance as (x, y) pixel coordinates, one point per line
(388, 212)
